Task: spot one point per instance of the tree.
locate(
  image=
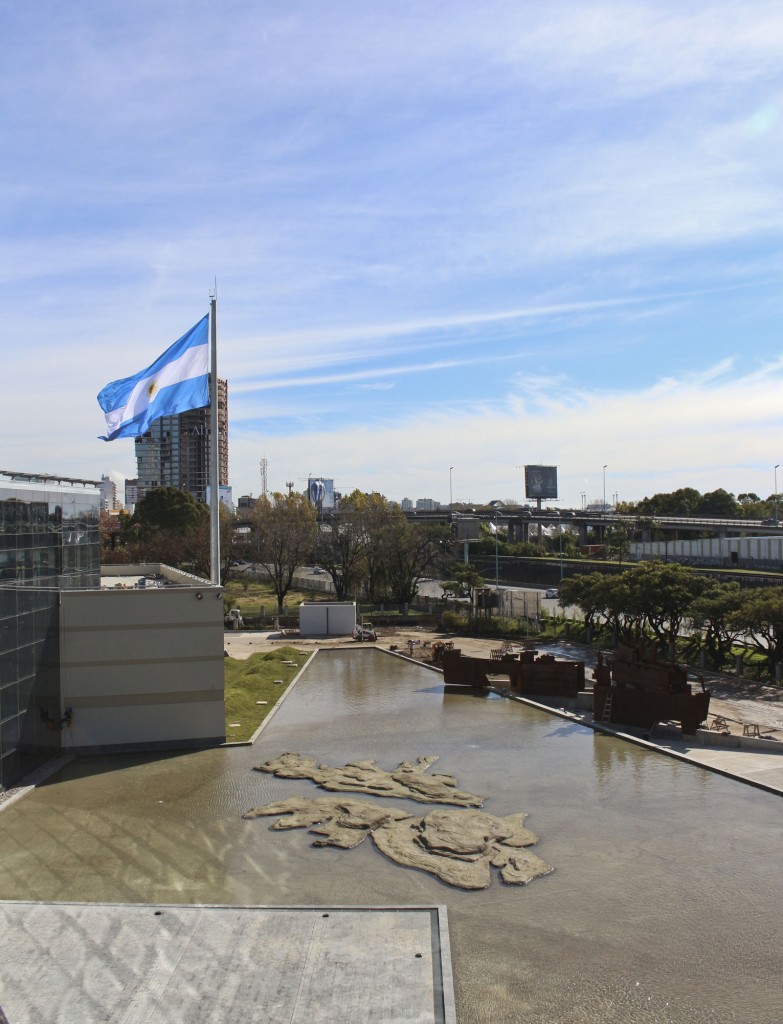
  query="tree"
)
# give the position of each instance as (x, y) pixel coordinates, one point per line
(617, 541)
(198, 546)
(412, 553)
(718, 504)
(759, 616)
(660, 595)
(376, 517)
(713, 613)
(169, 510)
(587, 593)
(466, 579)
(287, 532)
(342, 546)
(682, 502)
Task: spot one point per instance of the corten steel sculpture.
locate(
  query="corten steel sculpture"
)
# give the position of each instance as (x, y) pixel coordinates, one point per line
(528, 673)
(634, 688)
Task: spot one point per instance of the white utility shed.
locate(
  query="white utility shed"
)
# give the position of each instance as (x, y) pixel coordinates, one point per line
(327, 618)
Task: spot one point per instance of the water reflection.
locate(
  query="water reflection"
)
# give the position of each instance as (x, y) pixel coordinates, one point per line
(664, 901)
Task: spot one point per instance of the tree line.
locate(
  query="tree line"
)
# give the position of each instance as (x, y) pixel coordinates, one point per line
(717, 504)
(372, 550)
(670, 601)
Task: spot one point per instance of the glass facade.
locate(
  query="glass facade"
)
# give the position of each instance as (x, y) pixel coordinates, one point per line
(49, 541)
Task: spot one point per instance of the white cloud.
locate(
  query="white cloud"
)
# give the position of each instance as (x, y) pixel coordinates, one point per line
(708, 430)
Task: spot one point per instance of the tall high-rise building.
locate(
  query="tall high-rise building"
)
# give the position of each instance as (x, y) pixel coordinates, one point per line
(174, 452)
(108, 490)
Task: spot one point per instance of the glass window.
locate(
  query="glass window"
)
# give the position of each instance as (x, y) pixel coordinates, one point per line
(9, 701)
(9, 735)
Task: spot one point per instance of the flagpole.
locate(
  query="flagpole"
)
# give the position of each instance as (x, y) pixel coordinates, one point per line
(214, 463)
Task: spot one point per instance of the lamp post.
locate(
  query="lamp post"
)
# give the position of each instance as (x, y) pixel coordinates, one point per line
(497, 575)
(604, 507)
(560, 529)
(451, 498)
(583, 496)
(776, 493)
(603, 510)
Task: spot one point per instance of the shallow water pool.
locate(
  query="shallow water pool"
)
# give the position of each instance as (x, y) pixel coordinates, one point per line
(665, 901)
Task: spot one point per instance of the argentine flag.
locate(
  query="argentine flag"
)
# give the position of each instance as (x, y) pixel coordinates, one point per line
(177, 381)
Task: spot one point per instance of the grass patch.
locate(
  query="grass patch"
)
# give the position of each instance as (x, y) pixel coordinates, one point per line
(257, 599)
(252, 679)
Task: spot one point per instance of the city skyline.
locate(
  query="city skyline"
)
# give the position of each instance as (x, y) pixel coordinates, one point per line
(448, 242)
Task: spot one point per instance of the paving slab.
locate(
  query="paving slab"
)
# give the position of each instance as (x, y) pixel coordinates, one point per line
(171, 964)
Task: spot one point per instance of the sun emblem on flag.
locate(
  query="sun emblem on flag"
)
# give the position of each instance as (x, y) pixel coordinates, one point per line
(152, 387)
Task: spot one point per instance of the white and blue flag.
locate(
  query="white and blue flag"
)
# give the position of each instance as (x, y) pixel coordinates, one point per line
(176, 382)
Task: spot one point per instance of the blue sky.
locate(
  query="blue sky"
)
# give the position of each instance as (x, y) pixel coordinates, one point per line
(444, 235)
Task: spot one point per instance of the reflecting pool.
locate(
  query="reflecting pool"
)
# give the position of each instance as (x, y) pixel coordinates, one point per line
(665, 901)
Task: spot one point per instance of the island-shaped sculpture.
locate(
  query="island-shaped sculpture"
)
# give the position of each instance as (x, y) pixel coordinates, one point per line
(407, 781)
(458, 847)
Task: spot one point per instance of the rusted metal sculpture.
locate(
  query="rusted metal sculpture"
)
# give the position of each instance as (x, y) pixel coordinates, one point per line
(528, 673)
(634, 688)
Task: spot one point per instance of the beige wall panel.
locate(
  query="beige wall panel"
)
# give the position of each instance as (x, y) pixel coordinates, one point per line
(143, 666)
(136, 725)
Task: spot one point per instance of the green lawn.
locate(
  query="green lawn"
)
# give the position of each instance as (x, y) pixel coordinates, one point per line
(256, 598)
(251, 680)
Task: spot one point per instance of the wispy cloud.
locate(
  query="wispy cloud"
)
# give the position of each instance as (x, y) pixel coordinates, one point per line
(476, 234)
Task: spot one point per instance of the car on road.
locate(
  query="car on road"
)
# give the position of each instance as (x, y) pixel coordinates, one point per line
(318, 571)
(551, 592)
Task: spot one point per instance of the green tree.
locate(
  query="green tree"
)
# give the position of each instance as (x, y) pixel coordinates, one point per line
(718, 504)
(759, 617)
(588, 593)
(169, 510)
(713, 613)
(682, 502)
(661, 595)
(466, 579)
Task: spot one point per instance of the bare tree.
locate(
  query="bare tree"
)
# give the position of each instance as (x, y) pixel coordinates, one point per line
(342, 546)
(287, 532)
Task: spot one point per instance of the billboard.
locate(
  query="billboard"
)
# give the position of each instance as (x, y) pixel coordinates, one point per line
(540, 481)
(320, 492)
(468, 528)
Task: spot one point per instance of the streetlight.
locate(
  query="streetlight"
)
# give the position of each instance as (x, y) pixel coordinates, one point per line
(604, 508)
(776, 493)
(451, 497)
(497, 580)
(583, 496)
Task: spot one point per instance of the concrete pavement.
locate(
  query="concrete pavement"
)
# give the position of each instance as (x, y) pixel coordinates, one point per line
(169, 964)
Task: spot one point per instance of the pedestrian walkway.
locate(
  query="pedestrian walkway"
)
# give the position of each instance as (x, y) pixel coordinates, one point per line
(169, 964)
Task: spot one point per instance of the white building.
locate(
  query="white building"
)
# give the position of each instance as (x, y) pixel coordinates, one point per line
(108, 490)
